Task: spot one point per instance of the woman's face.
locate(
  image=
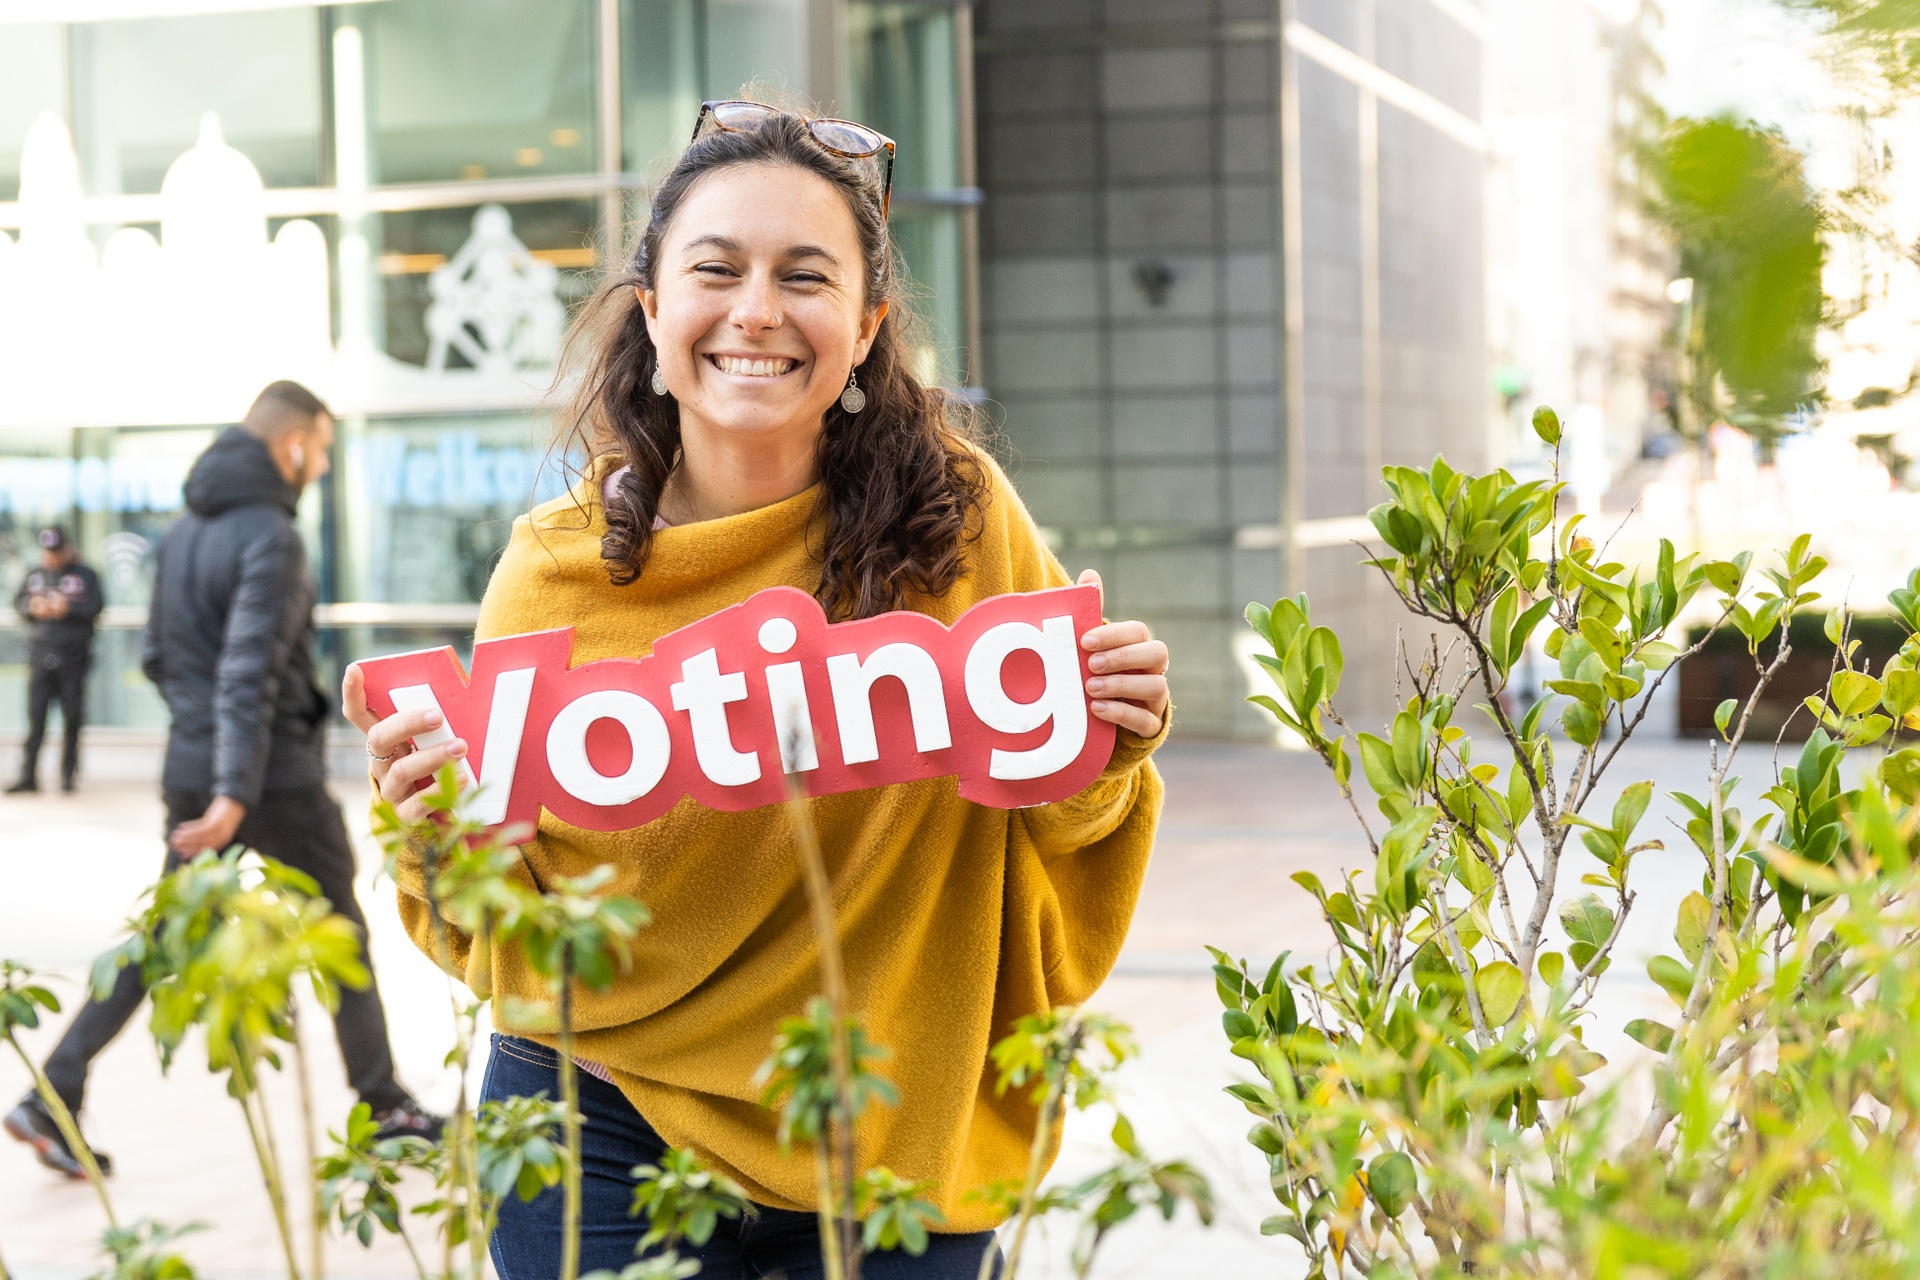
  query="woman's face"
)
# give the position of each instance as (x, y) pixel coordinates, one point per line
(758, 308)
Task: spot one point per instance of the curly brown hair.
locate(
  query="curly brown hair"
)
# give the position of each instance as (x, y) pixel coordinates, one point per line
(902, 481)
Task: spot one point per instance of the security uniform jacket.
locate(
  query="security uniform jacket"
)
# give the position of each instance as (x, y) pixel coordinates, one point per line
(230, 634)
(56, 642)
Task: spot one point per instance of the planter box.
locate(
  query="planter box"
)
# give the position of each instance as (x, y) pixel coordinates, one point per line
(1724, 669)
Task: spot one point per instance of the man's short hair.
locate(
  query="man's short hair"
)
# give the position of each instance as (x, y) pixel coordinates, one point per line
(282, 407)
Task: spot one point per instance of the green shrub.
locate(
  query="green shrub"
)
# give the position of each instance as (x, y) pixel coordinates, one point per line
(1425, 1099)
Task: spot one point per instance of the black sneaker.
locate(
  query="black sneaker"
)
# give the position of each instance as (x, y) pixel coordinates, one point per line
(23, 787)
(408, 1120)
(69, 786)
(33, 1124)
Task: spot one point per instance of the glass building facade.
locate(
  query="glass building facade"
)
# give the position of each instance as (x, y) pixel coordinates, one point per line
(399, 201)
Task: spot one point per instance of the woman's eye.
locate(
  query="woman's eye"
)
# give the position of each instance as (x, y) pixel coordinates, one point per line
(807, 277)
(714, 269)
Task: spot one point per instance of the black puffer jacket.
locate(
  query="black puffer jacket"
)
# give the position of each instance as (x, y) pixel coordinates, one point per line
(230, 634)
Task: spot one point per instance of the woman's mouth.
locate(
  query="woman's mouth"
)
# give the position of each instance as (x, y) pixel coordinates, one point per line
(753, 367)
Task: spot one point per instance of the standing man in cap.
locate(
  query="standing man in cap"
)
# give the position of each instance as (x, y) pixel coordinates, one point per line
(61, 601)
(230, 643)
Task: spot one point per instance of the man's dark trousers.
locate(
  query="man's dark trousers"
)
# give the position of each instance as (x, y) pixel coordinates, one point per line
(62, 676)
(301, 827)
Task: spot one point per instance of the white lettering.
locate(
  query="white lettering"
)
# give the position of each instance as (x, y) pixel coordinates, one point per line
(703, 693)
(419, 697)
(1060, 701)
(567, 747)
(852, 682)
(506, 725)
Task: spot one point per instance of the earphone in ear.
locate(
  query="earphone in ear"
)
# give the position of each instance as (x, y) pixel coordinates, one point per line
(297, 454)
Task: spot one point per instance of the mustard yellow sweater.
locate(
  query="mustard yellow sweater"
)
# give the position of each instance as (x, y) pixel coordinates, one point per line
(956, 919)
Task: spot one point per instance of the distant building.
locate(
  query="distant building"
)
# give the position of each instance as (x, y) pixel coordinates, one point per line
(1577, 272)
(1150, 219)
(1212, 261)
(394, 203)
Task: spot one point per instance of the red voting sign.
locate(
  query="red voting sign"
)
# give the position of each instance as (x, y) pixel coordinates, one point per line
(723, 708)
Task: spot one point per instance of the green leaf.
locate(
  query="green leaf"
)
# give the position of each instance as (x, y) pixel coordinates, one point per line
(1323, 654)
(1552, 966)
(1656, 1036)
(1690, 931)
(1854, 692)
(1902, 692)
(1581, 724)
(1723, 715)
(1671, 977)
(1340, 907)
(1587, 920)
(1522, 629)
(1500, 987)
(1629, 809)
(1285, 1224)
(1658, 655)
(1392, 1181)
(1546, 425)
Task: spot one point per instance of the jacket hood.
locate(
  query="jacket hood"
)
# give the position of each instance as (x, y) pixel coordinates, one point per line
(236, 471)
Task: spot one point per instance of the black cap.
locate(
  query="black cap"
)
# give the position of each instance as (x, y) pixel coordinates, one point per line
(53, 538)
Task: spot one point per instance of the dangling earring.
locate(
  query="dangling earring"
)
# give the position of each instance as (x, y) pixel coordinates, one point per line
(853, 399)
(659, 382)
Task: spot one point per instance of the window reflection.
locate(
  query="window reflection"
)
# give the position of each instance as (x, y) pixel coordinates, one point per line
(477, 88)
(414, 244)
(754, 42)
(32, 79)
(429, 503)
(660, 78)
(139, 89)
(903, 69)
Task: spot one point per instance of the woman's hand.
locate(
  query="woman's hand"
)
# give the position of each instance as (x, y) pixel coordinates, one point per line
(1129, 682)
(404, 771)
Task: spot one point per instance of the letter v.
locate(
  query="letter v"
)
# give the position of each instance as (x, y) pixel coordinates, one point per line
(506, 725)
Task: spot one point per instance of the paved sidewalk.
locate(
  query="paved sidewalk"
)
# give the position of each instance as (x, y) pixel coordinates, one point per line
(1239, 821)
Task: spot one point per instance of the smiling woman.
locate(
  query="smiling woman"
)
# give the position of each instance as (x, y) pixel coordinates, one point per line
(746, 398)
(761, 313)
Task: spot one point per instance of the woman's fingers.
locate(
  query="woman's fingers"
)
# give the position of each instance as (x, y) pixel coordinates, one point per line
(392, 735)
(1128, 716)
(404, 776)
(1112, 635)
(1147, 655)
(1148, 690)
(353, 699)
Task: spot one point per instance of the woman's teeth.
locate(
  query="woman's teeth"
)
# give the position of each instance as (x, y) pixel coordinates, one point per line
(753, 368)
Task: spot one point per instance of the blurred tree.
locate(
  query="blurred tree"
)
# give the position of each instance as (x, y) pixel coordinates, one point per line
(1885, 32)
(1748, 229)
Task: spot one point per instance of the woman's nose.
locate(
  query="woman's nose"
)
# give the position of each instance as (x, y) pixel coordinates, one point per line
(758, 306)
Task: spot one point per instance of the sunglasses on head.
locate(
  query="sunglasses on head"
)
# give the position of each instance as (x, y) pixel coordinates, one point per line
(842, 138)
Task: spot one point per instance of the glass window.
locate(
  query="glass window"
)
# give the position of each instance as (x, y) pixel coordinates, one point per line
(414, 244)
(116, 490)
(428, 503)
(761, 43)
(140, 88)
(32, 79)
(660, 64)
(902, 72)
(929, 244)
(477, 88)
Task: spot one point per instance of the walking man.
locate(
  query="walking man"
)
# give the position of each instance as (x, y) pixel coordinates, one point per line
(230, 643)
(61, 602)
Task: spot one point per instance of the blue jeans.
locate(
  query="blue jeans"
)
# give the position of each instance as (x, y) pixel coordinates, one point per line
(614, 1138)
